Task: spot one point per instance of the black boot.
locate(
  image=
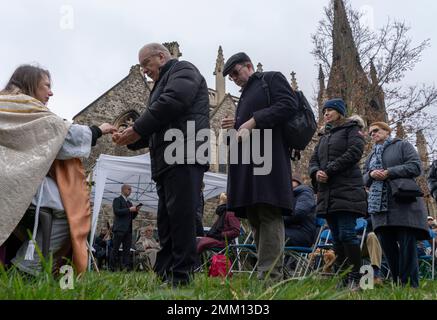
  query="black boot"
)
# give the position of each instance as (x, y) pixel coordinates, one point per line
(340, 266)
(353, 254)
(340, 259)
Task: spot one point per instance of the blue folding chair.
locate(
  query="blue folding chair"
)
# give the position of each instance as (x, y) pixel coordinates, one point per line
(244, 252)
(427, 260)
(300, 255)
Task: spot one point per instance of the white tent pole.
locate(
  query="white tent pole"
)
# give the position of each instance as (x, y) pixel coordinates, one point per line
(98, 195)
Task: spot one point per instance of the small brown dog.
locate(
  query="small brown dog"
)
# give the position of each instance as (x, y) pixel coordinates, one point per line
(328, 259)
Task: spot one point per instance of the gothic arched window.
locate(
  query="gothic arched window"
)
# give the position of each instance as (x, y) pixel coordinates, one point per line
(126, 120)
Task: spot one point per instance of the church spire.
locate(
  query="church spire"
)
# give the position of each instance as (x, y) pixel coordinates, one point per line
(347, 79)
(173, 47)
(400, 131)
(220, 84)
(321, 78)
(422, 149)
(322, 93)
(294, 81)
(346, 64)
(373, 74)
(259, 67)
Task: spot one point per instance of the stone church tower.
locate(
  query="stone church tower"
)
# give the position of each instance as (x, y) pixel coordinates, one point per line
(347, 78)
(421, 146)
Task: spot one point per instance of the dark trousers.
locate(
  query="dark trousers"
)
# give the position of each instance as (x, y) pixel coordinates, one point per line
(178, 192)
(199, 226)
(346, 242)
(124, 238)
(342, 226)
(399, 246)
(298, 238)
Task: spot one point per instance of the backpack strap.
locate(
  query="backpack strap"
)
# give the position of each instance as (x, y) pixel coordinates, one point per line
(295, 155)
(264, 85)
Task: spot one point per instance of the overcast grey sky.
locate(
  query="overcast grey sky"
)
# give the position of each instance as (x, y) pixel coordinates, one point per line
(89, 45)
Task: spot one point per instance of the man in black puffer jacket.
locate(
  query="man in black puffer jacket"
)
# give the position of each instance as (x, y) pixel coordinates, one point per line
(300, 227)
(178, 107)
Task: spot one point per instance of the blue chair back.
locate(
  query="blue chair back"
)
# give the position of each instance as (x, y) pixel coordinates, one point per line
(326, 236)
(320, 222)
(361, 224)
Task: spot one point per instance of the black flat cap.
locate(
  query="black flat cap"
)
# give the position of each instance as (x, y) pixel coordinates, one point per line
(232, 61)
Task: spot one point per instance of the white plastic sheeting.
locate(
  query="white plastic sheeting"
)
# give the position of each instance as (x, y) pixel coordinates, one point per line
(111, 172)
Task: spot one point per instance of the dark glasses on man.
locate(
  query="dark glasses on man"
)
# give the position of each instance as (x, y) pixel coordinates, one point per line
(234, 73)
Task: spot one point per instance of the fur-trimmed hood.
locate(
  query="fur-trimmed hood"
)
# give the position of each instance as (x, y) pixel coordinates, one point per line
(353, 119)
(358, 120)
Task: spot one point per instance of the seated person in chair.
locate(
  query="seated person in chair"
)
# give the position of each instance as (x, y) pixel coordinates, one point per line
(225, 228)
(372, 249)
(147, 247)
(300, 227)
(101, 247)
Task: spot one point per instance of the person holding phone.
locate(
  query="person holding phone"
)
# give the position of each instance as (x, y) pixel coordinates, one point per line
(124, 213)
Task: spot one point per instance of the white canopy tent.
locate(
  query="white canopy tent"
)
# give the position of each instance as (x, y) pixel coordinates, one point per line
(111, 172)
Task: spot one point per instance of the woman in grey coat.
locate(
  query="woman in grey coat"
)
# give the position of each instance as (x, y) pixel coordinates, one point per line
(398, 222)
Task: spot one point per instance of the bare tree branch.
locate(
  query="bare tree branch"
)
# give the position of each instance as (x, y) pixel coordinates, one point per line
(393, 54)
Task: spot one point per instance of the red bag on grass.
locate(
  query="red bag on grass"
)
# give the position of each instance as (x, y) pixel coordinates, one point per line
(220, 266)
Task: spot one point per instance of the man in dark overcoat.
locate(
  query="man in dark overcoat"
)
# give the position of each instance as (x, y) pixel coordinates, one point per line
(261, 192)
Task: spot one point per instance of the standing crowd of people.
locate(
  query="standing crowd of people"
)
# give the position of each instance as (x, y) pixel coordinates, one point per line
(42, 165)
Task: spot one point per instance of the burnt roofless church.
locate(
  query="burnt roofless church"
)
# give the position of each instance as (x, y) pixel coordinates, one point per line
(125, 101)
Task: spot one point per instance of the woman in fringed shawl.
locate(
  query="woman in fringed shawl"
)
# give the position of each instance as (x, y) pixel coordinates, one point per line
(43, 191)
(399, 223)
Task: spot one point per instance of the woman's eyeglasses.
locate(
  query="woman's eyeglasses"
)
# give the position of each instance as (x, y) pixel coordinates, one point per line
(373, 131)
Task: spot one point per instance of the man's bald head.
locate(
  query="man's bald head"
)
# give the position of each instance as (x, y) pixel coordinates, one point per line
(152, 57)
(126, 190)
(153, 48)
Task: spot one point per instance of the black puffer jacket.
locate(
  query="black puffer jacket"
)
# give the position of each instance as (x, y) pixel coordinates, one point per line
(303, 219)
(179, 96)
(338, 154)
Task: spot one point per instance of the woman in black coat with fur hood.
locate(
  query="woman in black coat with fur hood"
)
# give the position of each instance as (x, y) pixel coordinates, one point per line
(335, 173)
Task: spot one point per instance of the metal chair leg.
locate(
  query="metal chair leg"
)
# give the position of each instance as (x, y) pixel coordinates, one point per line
(46, 222)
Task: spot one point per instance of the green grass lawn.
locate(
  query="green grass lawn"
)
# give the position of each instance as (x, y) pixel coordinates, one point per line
(145, 286)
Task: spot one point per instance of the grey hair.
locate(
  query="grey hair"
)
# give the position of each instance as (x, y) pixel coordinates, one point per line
(156, 48)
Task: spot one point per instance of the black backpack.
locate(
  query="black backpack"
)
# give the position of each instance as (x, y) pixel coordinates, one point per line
(299, 130)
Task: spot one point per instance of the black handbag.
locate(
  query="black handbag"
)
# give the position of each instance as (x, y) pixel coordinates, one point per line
(405, 189)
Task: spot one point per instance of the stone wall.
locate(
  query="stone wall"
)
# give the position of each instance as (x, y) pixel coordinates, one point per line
(129, 96)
